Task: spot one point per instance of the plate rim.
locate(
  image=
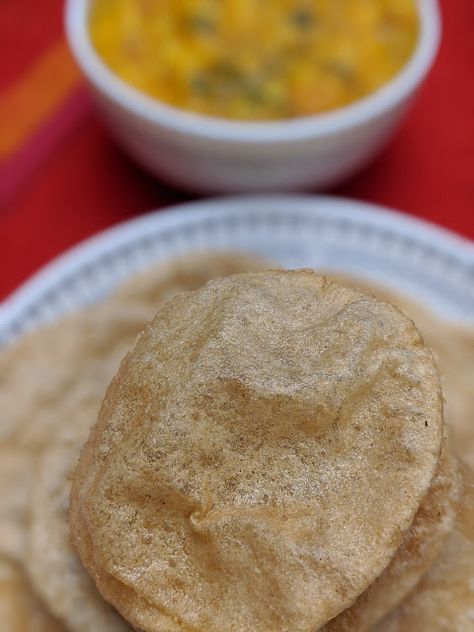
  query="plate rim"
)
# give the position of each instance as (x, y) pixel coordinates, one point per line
(399, 222)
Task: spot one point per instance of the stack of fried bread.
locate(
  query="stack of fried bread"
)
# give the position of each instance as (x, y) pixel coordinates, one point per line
(271, 456)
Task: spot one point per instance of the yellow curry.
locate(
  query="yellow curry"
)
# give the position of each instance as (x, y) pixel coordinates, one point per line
(255, 59)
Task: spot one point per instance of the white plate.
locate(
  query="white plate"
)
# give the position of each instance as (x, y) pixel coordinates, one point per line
(296, 231)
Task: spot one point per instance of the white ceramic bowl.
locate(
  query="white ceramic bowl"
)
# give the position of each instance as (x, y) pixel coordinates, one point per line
(208, 154)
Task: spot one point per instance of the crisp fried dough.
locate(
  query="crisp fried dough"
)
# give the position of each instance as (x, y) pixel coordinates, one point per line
(20, 610)
(15, 484)
(444, 599)
(58, 381)
(60, 368)
(417, 553)
(161, 282)
(453, 348)
(53, 380)
(258, 457)
(54, 568)
(51, 375)
(39, 373)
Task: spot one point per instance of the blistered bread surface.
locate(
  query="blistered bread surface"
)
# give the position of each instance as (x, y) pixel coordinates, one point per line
(258, 457)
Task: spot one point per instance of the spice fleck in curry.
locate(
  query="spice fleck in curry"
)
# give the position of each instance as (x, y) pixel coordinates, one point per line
(255, 59)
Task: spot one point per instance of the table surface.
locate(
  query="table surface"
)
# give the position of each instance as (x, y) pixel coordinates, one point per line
(63, 179)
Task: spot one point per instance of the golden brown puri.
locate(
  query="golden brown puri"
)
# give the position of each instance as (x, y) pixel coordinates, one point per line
(59, 368)
(53, 380)
(20, 610)
(54, 568)
(453, 348)
(40, 371)
(162, 281)
(258, 457)
(51, 374)
(15, 483)
(43, 392)
(444, 599)
(420, 546)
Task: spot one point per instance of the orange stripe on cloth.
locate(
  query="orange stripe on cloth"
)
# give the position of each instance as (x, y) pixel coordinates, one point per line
(35, 95)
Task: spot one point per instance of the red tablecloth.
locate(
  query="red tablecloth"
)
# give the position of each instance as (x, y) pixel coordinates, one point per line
(62, 178)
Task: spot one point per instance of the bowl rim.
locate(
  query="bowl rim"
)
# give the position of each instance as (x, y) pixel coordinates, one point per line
(387, 98)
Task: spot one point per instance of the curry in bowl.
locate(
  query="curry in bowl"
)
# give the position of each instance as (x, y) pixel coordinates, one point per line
(254, 59)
